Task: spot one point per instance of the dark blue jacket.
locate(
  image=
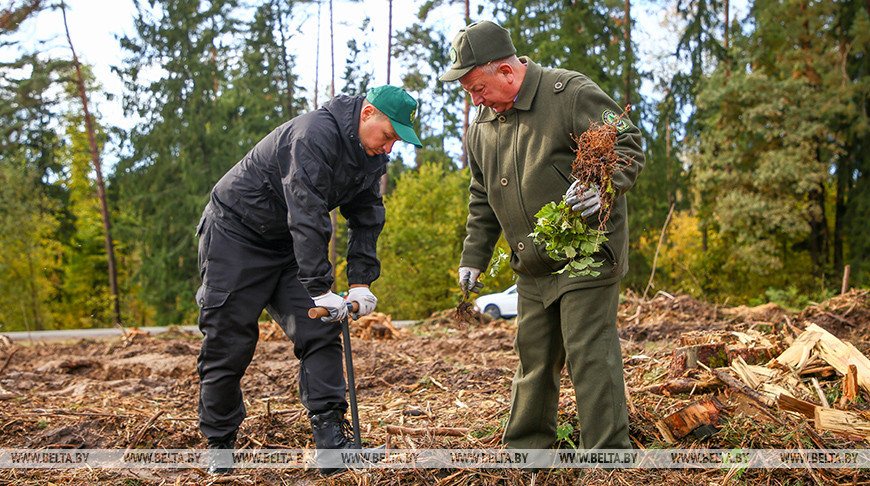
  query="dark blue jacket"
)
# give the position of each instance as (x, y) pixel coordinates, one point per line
(282, 191)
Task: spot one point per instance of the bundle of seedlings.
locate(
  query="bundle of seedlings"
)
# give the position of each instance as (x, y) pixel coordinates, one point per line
(566, 234)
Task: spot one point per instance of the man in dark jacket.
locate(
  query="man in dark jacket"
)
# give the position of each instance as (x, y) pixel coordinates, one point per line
(520, 153)
(263, 243)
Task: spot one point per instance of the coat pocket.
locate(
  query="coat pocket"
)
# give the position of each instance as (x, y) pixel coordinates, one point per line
(210, 297)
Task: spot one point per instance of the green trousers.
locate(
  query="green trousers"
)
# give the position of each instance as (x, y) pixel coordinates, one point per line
(579, 330)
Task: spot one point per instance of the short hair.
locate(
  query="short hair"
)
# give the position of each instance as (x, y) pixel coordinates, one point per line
(491, 67)
(378, 112)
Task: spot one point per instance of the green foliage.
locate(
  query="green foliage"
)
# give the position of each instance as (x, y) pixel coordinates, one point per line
(778, 126)
(565, 432)
(29, 254)
(792, 298)
(761, 146)
(566, 236)
(85, 299)
(215, 101)
(420, 246)
(424, 49)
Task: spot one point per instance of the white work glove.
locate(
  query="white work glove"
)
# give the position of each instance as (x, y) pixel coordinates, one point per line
(582, 199)
(468, 279)
(365, 298)
(334, 303)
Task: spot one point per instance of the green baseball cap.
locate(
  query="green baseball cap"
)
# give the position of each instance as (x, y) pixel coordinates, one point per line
(400, 108)
(475, 45)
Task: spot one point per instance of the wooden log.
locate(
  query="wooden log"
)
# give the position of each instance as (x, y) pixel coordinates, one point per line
(789, 403)
(683, 422)
(843, 421)
(673, 387)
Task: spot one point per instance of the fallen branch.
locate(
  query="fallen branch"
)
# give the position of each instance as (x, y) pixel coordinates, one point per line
(456, 432)
(656, 256)
(145, 427)
(8, 359)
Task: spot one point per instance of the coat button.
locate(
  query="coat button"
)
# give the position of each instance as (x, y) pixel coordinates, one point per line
(504, 181)
(262, 228)
(558, 85)
(502, 118)
(521, 246)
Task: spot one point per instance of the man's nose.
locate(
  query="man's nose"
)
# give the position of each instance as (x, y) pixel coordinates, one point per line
(389, 146)
(476, 99)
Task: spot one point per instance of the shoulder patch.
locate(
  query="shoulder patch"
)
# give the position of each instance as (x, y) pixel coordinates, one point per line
(612, 119)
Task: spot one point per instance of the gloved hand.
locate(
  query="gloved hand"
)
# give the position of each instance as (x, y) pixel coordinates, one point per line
(582, 199)
(365, 298)
(468, 279)
(334, 303)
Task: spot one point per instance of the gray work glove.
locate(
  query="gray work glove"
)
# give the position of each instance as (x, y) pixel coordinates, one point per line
(365, 298)
(468, 279)
(334, 303)
(582, 199)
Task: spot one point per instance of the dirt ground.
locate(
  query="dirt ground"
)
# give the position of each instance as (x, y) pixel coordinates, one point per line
(141, 392)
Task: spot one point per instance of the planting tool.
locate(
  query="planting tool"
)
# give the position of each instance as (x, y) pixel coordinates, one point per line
(316, 312)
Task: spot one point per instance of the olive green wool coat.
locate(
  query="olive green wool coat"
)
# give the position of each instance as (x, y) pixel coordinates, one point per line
(521, 160)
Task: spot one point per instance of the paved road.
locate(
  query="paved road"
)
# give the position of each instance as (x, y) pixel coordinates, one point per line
(72, 334)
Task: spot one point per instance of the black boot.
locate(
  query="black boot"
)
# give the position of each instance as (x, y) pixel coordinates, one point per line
(220, 458)
(330, 432)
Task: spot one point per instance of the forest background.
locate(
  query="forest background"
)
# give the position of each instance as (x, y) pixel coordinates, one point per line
(755, 129)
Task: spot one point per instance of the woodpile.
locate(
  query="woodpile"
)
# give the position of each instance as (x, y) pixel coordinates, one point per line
(789, 382)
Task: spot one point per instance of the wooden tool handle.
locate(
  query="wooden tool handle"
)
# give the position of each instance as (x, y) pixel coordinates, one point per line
(316, 312)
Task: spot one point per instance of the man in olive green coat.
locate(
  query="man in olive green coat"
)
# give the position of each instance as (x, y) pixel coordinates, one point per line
(520, 153)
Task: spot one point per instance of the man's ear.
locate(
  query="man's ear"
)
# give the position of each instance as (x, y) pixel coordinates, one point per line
(506, 70)
(367, 112)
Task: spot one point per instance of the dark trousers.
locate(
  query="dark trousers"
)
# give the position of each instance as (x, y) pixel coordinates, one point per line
(240, 277)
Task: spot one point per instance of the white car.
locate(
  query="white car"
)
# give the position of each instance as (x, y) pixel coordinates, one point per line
(498, 305)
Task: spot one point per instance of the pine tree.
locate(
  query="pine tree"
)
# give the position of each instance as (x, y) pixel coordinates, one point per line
(183, 143)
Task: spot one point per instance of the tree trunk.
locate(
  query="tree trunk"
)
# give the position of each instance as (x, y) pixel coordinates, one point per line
(384, 178)
(628, 53)
(467, 105)
(101, 189)
(291, 112)
(727, 24)
(727, 38)
(843, 174)
(818, 231)
(317, 58)
(333, 251)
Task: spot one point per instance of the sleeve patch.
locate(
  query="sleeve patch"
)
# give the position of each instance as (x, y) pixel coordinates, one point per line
(614, 120)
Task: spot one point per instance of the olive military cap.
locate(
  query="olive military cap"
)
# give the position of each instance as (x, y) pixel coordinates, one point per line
(475, 45)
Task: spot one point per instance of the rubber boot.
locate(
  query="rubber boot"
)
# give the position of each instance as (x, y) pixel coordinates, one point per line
(220, 458)
(330, 433)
